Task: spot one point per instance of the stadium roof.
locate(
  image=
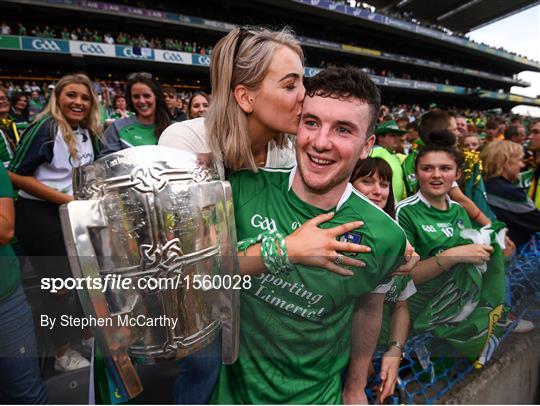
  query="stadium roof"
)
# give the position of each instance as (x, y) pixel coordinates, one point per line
(456, 15)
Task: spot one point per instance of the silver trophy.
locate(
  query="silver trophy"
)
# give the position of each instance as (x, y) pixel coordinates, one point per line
(160, 219)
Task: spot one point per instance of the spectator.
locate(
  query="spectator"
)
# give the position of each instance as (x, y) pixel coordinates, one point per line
(373, 178)
(21, 381)
(19, 110)
(5, 29)
(108, 38)
(35, 104)
(171, 100)
(461, 125)
(145, 97)
(511, 204)
(471, 142)
(516, 133)
(9, 134)
(61, 138)
(445, 303)
(388, 141)
(534, 173)
(120, 110)
(198, 105)
(492, 132)
(21, 29)
(442, 123)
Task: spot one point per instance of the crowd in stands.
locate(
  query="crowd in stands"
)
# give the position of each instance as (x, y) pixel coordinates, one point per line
(410, 17)
(120, 38)
(174, 44)
(441, 174)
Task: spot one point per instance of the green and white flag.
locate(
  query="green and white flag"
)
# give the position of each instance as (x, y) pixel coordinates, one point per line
(469, 310)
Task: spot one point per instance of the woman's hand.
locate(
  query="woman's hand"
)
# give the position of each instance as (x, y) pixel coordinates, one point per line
(313, 246)
(389, 373)
(476, 254)
(409, 262)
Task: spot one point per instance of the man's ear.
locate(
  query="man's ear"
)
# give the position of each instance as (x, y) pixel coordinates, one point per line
(245, 98)
(367, 147)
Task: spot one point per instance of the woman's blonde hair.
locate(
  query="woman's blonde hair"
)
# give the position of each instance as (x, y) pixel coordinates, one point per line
(92, 122)
(496, 154)
(242, 57)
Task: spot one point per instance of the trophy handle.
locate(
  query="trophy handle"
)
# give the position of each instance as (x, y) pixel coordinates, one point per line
(76, 218)
(230, 320)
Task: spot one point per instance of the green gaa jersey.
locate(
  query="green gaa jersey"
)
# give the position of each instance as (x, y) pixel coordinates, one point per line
(430, 231)
(127, 133)
(295, 327)
(409, 172)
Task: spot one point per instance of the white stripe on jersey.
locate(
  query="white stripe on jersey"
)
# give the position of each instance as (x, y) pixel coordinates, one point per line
(407, 202)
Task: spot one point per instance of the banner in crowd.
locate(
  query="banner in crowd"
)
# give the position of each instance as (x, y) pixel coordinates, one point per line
(45, 45)
(91, 48)
(10, 42)
(123, 51)
(184, 58)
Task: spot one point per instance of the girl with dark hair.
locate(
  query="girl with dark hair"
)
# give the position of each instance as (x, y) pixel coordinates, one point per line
(145, 97)
(373, 178)
(460, 277)
(19, 110)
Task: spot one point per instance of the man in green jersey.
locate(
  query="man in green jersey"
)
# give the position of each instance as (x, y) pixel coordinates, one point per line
(295, 332)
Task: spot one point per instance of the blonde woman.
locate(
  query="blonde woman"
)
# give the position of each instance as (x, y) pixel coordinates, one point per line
(62, 137)
(257, 93)
(503, 162)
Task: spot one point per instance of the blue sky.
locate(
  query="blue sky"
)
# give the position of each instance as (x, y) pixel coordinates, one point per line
(519, 33)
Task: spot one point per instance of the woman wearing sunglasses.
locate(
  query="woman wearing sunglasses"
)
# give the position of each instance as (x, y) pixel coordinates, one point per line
(145, 97)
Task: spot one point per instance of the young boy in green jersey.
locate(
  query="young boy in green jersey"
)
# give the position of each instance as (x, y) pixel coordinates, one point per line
(295, 331)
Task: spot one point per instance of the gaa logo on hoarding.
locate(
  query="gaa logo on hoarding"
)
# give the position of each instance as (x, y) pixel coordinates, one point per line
(204, 60)
(92, 49)
(45, 45)
(172, 57)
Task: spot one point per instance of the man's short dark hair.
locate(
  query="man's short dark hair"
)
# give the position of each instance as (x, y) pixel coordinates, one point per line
(511, 131)
(342, 83)
(433, 120)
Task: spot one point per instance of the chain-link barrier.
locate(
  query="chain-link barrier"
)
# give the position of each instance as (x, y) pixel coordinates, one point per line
(423, 377)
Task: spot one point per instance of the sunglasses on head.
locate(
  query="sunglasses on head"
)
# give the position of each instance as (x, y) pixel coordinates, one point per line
(135, 75)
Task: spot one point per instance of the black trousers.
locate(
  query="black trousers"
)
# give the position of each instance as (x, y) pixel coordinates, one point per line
(38, 230)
